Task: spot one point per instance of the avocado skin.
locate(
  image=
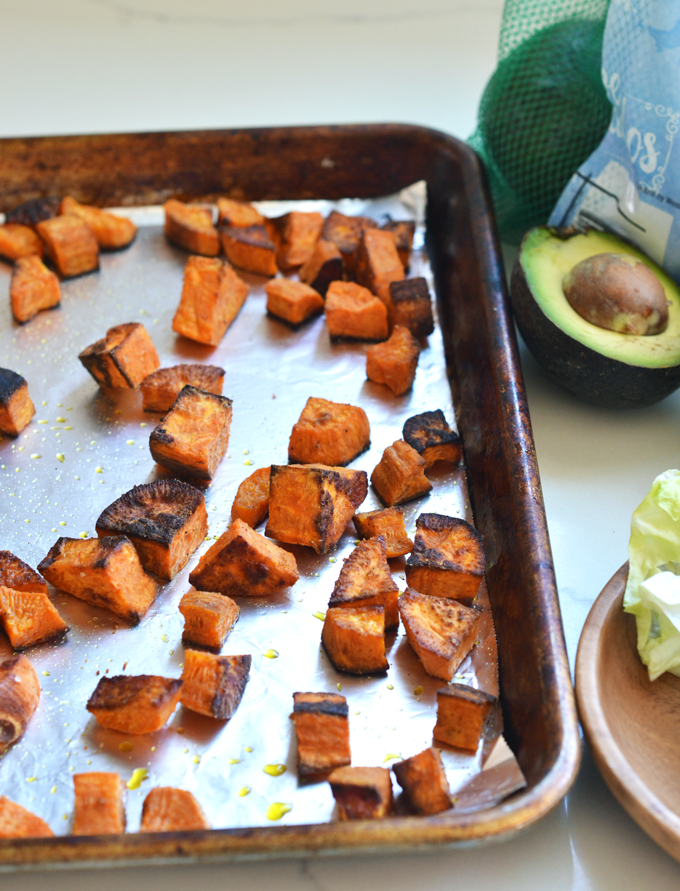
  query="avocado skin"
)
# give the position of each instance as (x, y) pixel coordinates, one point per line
(597, 379)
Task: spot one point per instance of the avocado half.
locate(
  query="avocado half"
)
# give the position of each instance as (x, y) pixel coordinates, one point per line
(602, 367)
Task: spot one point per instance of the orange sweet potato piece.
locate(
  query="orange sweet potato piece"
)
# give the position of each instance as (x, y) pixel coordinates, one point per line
(403, 231)
(244, 562)
(388, 523)
(172, 810)
(191, 227)
(34, 211)
(212, 295)
(213, 685)
(140, 704)
(19, 241)
(400, 475)
(19, 576)
(32, 288)
(162, 387)
(295, 235)
(103, 571)
(249, 248)
(362, 793)
(193, 437)
(462, 716)
(112, 232)
(208, 619)
(345, 233)
(323, 267)
(430, 435)
(70, 244)
(378, 264)
(294, 302)
(423, 779)
(326, 432)
(123, 358)
(412, 306)
(99, 807)
(447, 558)
(252, 498)
(354, 639)
(29, 618)
(17, 822)
(366, 580)
(394, 362)
(310, 504)
(237, 213)
(352, 311)
(19, 695)
(16, 408)
(322, 729)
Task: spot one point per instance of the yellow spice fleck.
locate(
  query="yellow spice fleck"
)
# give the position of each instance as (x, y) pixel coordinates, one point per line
(277, 809)
(139, 774)
(274, 770)
(243, 792)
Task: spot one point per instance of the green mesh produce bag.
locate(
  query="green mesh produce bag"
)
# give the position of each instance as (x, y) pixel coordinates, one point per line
(545, 108)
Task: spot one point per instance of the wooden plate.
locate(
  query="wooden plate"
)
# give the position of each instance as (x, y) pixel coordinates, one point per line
(632, 725)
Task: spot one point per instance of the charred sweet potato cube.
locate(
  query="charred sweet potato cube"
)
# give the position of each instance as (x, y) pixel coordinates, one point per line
(403, 231)
(19, 696)
(213, 685)
(447, 558)
(70, 244)
(252, 498)
(423, 779)
(208, 619)
(139, 704)
(16, 408)
(17, 822)
(295, 235)
(19, 241)
(29, 618)
(162, 387)
(102, 571)
(249, 248)
(378, 264)
(244, 562)
(294, 302)
(366, 580)
(389, 524)
(99, 807)
(237, 213)
(345, 233)
(400, 475)
(322, 729)
(323, 267)
(362, 793)
(212, 295)
(310, 504)
(430, 435)
(326, 432)
(112, 232)
(394, 362)
(123, 358)
(354, 639)
(165, 520)
(462, 716)
(34, 211)
(172, 810)
(32, 288)
(191, 227)
(19, 576)
(193, 437)
(441, 632)
(352, 311)
(412, 306)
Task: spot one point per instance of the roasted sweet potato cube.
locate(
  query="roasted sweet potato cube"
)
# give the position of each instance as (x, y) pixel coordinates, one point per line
(400, 475)
(34, 211)
(430, 435)
(366, 580)
(345, 233)
(102, 571)
(111, 231)
(412, 306)
(389, 524)
(249, 248)
(139, 704)
(326, 432)
(70, 244)
(323, 267)
(19, 576)
(16, 408)
(212, 295)
(252, 498)
(423, 779)
(378, 264)
(193, 437)
(208, 619)
(352, 311)
(99, 807)
(244, 562)
(213, 685)
(162, 387)
(322, 730)
(191, 227)
(295, 235)
(441, 632)
(17, 822)
(29, 618)
(447, 558)
(19, 696)
(165, 520)
(362, 793)
(462, 716)
(294, 302)
(394, 362)
(19, 241)
(403, 231)
(354, 639)
(310, 504)
(123, 358)
(32, 288)
(237, 213)
(172, 810)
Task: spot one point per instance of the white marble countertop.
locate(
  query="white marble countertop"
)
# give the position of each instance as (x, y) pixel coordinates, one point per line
(85, 66)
